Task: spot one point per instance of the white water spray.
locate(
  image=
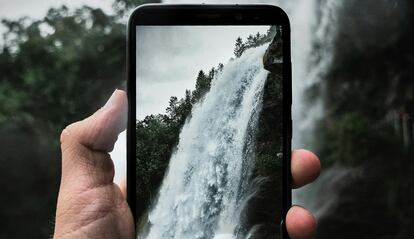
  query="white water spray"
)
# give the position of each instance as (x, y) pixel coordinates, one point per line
(202, 191)
(312, 21)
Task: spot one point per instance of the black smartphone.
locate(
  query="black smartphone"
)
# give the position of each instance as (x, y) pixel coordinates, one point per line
(209, 133)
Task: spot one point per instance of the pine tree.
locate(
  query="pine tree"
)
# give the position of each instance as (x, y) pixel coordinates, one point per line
(220, 67)
(258, 36)
(212, 73)
(250, 40)
(240, 47)
(203, 83)
(172, 107)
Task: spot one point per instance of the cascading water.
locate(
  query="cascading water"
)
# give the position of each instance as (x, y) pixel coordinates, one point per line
(206, 180)
(312, 22)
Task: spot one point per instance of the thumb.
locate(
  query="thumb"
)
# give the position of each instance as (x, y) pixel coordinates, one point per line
(85, 144)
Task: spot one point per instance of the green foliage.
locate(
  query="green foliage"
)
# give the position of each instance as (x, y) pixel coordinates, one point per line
(369, 79)
(355, 140)
(203, 84)
(55, 77)
(239, 47)
(158, 135)
(354, 136)
(255, 40)
(53, 71)
(123, 6)
(366, 81)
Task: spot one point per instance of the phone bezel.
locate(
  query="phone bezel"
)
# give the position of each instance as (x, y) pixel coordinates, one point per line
(204, 14)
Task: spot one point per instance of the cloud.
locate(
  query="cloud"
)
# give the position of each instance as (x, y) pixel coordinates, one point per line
(170, 57)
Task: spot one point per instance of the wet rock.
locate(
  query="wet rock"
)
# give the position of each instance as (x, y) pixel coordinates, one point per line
(261, 210)
(370, 202)
(273, 58)
(264, 231)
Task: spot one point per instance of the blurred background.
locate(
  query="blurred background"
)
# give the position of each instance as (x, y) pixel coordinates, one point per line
(353, 104)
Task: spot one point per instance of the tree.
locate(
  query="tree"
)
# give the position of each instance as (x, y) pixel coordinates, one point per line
(257, 37)
(172, 106)
(55, 76)
(239, 47)
(220, 67)
(53, 71)
(121, 7)
(203, 84)
(250, 40)
(157, 136)
(212, 73)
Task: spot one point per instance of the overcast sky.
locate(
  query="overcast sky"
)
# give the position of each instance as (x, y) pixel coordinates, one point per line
(38, 8)
(170, 57)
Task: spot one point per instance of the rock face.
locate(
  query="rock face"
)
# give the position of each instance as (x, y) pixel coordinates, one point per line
(262, 209)
(273, 58)
(263, 231)
(369, 79)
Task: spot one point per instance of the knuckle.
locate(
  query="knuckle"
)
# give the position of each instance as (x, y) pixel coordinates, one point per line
(69, 132)
(64, 135)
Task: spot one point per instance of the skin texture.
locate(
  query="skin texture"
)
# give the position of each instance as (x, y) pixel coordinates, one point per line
(91, 205)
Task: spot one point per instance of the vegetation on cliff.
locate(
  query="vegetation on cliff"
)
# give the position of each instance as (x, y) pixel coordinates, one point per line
(262, 210)
(157, 135)
(369, 109)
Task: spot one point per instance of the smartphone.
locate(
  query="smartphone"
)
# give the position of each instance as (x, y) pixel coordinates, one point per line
(209, 132)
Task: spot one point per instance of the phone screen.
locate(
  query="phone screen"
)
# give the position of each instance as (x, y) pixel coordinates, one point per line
(209, 131)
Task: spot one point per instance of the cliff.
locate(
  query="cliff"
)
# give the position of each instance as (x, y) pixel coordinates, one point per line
(262, 209)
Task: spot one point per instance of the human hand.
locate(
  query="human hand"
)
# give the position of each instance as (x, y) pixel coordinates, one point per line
(90, 205)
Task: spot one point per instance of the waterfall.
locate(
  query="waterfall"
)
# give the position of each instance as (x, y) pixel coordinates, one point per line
(206, 180)
(313, 29)
(313, 24)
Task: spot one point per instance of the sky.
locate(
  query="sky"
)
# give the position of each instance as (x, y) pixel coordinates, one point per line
(172, 56)
(38, 8)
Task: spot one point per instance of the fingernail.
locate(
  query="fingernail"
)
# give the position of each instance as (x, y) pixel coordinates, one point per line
(111, 100)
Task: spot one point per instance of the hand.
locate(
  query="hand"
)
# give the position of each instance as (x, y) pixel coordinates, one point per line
(90, 205)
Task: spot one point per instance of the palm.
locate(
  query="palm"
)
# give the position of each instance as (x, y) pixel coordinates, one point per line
(98, 212)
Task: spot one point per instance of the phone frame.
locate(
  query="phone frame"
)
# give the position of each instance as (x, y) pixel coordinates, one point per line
(205, 14)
